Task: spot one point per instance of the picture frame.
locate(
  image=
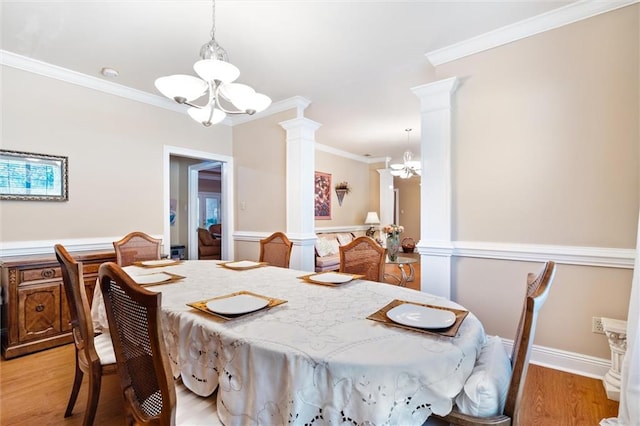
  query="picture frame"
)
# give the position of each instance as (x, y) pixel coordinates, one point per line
(27, 176)
(322, 199)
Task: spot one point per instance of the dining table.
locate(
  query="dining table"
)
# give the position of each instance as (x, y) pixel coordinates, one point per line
(316, 354)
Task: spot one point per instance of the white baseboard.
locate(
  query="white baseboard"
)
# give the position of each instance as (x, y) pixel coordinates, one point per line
(569, 362)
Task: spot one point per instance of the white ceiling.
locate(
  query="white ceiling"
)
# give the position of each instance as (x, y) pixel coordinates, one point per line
(356, 61)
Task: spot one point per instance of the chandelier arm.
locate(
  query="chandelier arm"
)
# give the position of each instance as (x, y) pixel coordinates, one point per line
(183, 101)
(223, 109)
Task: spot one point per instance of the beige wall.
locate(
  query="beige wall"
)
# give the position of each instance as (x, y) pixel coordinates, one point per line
(546, 139)
(115, 150)
(356, 204)
(259, 151)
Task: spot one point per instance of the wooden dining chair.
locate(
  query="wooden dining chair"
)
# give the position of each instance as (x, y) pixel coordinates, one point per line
(136, 247)
(276, 250)
(94, 354)
(150, 394)
(538, 287)
(363, 256)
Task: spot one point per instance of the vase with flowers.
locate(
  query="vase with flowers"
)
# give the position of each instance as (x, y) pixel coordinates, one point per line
(393, 240)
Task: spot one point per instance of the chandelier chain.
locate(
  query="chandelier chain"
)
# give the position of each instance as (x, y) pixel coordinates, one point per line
(213, 20)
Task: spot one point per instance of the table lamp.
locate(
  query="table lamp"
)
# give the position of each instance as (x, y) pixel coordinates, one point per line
(372, 219)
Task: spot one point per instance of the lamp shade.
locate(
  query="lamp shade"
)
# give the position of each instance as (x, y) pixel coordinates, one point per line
(372, 218)
(260, 102)
(201, 115)
(214, 69)
(180, 85)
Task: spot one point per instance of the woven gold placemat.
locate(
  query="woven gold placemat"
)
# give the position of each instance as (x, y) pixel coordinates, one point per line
(174, 278)
(201, 305)
(242, 268)
(142, 265)
(308, 278)
(381, 316)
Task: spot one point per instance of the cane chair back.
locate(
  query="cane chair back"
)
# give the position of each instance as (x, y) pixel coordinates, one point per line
(276, 250)
(363, 256)
(538, 287)
(136, 247)
(150, 394)
(94, 355)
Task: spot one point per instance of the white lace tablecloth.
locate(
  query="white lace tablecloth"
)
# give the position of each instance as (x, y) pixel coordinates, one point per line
(313, 360)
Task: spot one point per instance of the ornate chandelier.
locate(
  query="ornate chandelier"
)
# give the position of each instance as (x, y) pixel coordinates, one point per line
(409, 167)
(216, 80)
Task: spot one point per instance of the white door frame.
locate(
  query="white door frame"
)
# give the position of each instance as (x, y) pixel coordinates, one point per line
(227, 197)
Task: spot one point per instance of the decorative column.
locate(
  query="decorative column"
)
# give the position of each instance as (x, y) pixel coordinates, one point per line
(386, 197)
(435, 245)
(616, 331)
(301, 159)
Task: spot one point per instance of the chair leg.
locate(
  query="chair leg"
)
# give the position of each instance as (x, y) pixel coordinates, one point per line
(77, 382)
(95, 381)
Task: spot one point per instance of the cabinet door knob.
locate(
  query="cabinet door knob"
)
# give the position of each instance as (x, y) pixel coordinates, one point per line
(39, 307)
(48, 273)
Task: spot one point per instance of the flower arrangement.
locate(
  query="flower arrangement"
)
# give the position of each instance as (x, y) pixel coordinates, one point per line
(343, 186)
(393, 230)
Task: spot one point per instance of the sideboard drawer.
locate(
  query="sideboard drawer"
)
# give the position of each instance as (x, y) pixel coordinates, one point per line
(46, 273)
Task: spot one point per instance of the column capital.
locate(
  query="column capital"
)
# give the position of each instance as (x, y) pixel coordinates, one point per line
(437, 95)
(300, 128)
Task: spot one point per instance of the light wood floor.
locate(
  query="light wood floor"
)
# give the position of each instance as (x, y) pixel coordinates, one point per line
(34, 390)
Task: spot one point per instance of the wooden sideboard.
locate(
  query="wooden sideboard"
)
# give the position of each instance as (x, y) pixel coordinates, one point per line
(35, 314)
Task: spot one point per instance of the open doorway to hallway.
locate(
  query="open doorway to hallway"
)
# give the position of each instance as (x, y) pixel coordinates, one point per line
(198, 195)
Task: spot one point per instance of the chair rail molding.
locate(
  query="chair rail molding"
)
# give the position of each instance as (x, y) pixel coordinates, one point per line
(568, 255)
(35, 247)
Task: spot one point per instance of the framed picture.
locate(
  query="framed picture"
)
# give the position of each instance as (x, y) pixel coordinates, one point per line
(26, 176)
(323, 195)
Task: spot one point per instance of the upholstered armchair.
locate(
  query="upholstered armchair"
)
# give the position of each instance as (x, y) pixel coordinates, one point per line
(208, 246)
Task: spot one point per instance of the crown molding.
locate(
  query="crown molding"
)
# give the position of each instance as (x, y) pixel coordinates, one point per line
(298, 102)
(556, 18)
(46, 69)
(345, 154)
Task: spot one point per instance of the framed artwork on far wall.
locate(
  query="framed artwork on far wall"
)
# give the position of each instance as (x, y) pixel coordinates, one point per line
(322, 195)
(27, 176)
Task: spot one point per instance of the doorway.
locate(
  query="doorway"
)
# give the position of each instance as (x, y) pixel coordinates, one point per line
(181, 191)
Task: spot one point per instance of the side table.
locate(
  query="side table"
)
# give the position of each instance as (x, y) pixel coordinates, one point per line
(403, 264)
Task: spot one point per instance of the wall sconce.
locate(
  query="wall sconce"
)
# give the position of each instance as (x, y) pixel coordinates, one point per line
(372, 219)
(342, 189)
